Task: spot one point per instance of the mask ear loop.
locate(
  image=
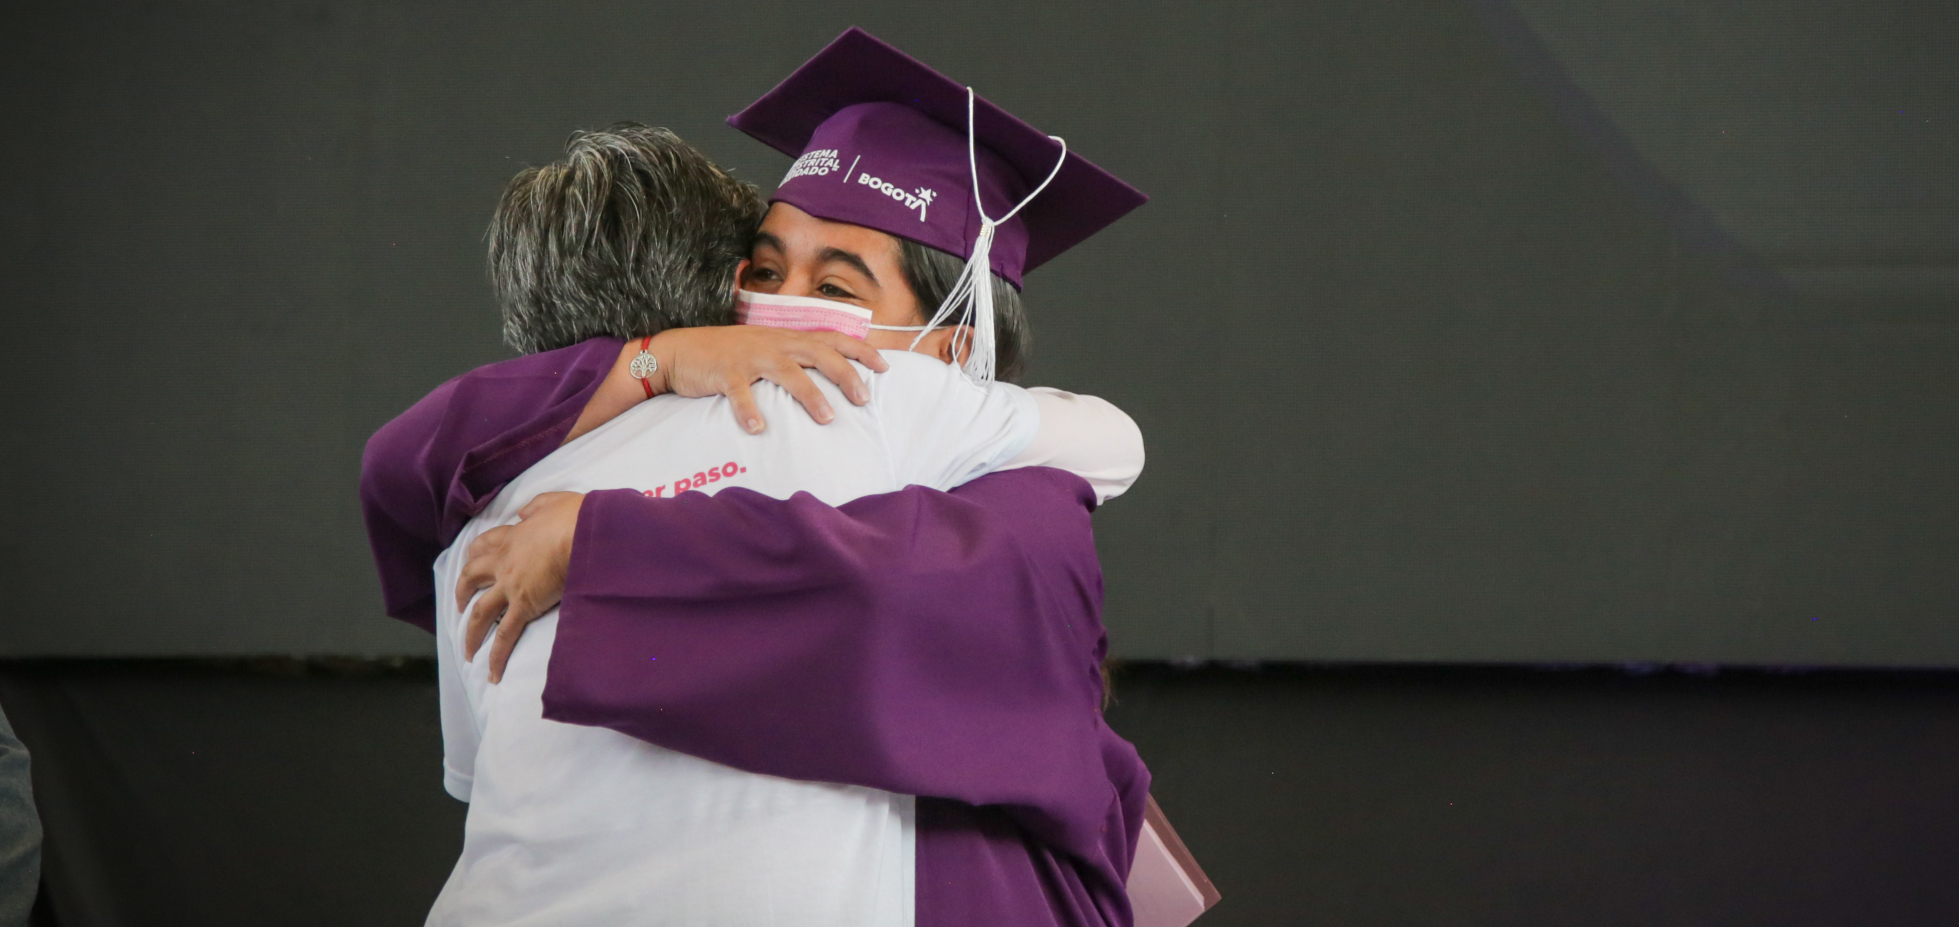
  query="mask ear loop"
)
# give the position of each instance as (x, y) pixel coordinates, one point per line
(973, 289)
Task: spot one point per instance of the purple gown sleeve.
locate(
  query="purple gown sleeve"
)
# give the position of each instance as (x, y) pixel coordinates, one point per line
(943, 645)
(425, 474)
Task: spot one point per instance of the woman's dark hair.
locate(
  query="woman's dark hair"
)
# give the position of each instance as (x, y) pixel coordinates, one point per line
(932, 272)
(632, 232)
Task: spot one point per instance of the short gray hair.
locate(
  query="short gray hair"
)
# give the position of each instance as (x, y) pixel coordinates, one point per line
(931, 274)
(632, 232)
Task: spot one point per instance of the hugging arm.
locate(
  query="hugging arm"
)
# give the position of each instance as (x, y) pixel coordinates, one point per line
(944, 645)
(1087, 436)
(427, 472)
(940, 430)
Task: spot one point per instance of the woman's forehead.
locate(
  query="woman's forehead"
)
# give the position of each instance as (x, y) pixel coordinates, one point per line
(803, 236)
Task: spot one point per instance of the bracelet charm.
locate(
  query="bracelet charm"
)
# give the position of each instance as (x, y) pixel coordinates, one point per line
(644, 365)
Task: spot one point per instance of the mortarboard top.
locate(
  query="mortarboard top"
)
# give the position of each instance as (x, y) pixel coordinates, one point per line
(880, 141)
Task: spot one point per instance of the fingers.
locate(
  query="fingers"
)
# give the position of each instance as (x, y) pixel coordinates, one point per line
(488, 609)
(838, 369)
(743, 400)
(508, 631)
(537, 504)
(473, 578)
(859, 351)
(480, 569)
(799, 385)
(745, 354)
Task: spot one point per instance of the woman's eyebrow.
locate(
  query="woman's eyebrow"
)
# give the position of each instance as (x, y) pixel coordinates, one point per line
(764, 239)
(838, 254)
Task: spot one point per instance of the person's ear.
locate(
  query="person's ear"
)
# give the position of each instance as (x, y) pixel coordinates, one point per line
(939, 343)
(741, 271)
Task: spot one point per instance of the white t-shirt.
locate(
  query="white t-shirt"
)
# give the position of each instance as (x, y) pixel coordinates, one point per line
(571, 825)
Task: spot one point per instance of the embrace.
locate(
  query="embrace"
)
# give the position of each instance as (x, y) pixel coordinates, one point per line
(724, 643)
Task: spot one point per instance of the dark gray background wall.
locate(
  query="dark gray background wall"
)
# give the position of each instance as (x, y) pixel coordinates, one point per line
(1458, 330)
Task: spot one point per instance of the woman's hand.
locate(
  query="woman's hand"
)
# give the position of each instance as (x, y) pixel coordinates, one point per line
(524, 567)
(726, 360)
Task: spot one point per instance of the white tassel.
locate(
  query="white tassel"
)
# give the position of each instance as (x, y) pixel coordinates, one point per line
(972, 293)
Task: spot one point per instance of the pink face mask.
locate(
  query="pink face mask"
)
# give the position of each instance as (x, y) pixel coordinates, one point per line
(807, 314)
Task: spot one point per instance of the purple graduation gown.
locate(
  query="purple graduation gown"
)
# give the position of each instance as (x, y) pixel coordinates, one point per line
(943, 645)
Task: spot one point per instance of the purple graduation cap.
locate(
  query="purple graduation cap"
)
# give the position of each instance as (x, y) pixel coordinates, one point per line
(881, 140)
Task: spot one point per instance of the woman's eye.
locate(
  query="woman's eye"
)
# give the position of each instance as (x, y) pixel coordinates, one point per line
(834, 291)
(761, 273)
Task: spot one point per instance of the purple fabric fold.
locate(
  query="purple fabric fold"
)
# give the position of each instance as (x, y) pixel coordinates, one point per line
(944, 645)
(976, 868)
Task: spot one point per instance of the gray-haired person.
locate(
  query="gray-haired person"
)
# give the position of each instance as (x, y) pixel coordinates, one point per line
(573, 255)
